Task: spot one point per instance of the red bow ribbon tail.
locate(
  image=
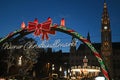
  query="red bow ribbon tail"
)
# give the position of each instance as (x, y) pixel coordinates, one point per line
(44, 35)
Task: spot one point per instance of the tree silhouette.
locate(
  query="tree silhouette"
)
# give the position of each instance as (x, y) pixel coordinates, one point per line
(17, 57)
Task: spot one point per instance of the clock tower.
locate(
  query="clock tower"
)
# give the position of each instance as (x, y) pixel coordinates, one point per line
(106, 42)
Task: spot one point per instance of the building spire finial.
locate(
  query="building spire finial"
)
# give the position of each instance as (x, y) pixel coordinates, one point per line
(105, 5)
(104, 1)
(88, 36)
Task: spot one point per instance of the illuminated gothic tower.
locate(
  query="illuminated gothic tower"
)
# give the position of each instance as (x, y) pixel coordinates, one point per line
(106, 43)
(73, 46)
(73, 52)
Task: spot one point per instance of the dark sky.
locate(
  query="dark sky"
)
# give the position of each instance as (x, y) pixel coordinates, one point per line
(82, 16)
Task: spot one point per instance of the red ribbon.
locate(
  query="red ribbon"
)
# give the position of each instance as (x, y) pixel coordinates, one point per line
(42, 28)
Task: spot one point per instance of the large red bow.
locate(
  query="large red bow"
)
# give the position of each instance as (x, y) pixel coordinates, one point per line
(42, 28)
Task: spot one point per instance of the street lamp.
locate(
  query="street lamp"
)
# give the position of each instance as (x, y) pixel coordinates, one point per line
(53, 67)
(20, 61)
(60, 69)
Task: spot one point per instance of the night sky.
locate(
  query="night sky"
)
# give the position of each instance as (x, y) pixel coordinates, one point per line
(82, 16)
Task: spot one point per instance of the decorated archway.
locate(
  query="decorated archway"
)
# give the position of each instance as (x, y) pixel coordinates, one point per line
(45, 28)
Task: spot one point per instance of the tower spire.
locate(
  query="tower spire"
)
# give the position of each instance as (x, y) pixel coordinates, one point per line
(105, 6)
(105, 17)
(105, 11)
(88, 36)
